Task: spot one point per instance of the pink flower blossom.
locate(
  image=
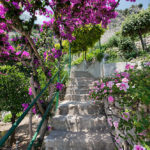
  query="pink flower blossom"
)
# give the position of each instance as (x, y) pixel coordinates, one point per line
(105, 91)
(110, 84)
(138, 147)
(125, 80)
(25, 54)
(110, 99)
(128, 66)
(30, 91)
(116, 123)
(125, 74)
(102, 85)
(25, 106)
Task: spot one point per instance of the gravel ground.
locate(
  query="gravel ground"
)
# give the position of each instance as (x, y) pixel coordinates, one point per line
(22, 133)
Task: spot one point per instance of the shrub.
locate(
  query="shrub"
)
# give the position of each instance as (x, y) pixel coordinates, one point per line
(7, 118)
(112, 42)
(126, 97)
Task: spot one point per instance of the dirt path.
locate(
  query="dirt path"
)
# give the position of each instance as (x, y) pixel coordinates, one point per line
(22, 133)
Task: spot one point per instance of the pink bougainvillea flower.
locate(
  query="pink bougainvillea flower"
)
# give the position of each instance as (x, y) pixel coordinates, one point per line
(110, 99)
(105, 91)
(118, 75)
(25, 54)
(126, 116)
(125, 80)
(102, 85)
(128, 66)
(124, 86)
(25, 106)
(116, 123)
(110, 84)
(125, 74)
(30, 91)
(34, 110)
(138, 147)
(131, 67)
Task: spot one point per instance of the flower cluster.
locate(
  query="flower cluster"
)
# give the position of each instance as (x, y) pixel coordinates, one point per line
(59, 86)
(54, 53)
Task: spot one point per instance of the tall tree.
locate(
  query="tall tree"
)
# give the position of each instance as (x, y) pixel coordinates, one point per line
(137, 25)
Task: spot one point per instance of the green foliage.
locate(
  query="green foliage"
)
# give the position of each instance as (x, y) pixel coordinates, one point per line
(13, 89)
(65, 45)
(90, 56)
(112, 42)
(8, 117)
(137, 23)
(86, 37)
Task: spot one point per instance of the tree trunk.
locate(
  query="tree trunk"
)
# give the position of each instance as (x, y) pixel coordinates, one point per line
(85, 55)
(142, 41)
(12, 140)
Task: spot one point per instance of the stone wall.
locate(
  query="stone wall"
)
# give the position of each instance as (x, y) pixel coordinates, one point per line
(98, 70)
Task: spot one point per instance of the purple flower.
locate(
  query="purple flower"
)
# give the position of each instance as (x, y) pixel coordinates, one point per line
(138, 147)
(25, 54)
(25, 106)
(34, 110)
(16, 5)
(30, 91)
(18, 53)
(49, 73)
(48, 128)
(59, 86)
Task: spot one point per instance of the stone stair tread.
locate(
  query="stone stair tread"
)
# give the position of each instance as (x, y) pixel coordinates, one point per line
(79, 122)
(80, 107)
(67, 140)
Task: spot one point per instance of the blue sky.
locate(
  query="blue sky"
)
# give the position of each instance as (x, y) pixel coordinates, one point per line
(125, 4)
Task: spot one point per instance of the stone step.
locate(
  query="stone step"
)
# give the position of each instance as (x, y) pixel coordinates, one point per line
(64, 140)
(80, 86)
(77, 91)
(80, 108)
(80, 74)
(82, 79)
(86, 82)
(77, 97)
(77, 123)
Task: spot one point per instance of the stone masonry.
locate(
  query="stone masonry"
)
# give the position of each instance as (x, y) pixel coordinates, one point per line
(79, 124)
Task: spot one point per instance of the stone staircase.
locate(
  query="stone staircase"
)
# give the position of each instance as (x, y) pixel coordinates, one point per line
(79, 124)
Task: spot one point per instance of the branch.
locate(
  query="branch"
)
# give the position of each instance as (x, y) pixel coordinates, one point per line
(116, 5)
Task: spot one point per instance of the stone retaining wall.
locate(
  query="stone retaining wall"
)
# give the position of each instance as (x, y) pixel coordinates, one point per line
(98, 70)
